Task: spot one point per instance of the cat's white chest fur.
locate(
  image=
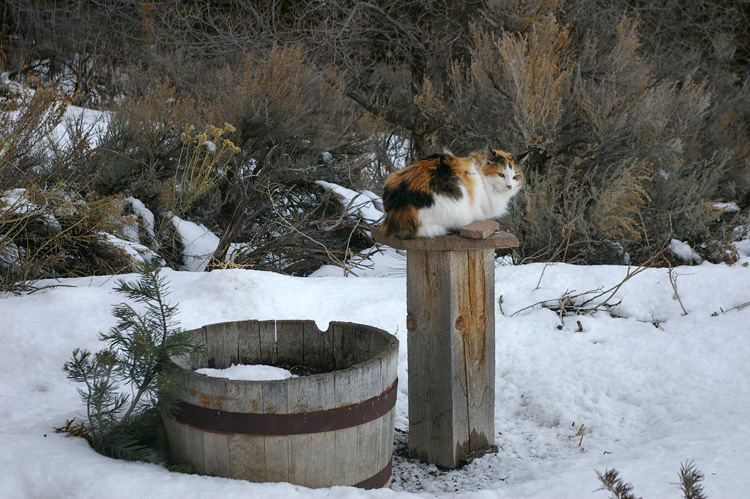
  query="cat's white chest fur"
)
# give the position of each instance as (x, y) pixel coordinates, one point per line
(499, 191)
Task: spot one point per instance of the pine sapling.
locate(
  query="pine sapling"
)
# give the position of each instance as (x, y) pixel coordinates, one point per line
(612, 483)
(120, 424)
(690, 479)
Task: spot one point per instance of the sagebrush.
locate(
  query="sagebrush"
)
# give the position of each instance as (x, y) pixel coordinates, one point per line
(636, 117)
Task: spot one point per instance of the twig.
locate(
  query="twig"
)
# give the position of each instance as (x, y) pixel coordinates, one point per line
(673, 282)
(616, 288)
(567, 298)
(539, 282)
(339, 219)
(579, 433)
(567, 301)
(738, 307)
(564, 299)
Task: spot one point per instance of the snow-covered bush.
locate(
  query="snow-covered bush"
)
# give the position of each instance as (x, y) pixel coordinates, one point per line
(51, 224)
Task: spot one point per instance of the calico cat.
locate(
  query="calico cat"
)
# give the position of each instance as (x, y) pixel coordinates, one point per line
(443, 192)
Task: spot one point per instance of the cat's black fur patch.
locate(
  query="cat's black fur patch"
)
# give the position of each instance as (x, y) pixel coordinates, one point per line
(443, 180)
(402, 197)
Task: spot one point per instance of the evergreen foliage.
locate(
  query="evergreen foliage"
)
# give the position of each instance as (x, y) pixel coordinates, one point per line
(117, 423)
(612, 483)
(690, 483)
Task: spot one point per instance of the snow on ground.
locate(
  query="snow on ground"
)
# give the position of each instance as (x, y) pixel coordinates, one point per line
(651, 387)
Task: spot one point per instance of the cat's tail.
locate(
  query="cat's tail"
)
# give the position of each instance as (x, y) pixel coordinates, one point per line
(401, 223)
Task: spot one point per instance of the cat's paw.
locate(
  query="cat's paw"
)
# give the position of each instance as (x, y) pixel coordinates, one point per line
(432, 231)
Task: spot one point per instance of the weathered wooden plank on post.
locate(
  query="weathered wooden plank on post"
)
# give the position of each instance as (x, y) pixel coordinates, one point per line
(481, 229)
(451, 341)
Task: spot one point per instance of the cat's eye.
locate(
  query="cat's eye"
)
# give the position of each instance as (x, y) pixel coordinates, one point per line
(515, 177)
(501, 175)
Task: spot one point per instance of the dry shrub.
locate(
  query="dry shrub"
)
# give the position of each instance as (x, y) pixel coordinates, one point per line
(287, 112)
(618, 165)
(300, 227)
(535, 74)
(576, 215)
(50, 224)
(54, 233)
(151, 152)
(29, 115)
(636, 115)
(140, 150)
(294, 125)
(291, 124)
(520, 15)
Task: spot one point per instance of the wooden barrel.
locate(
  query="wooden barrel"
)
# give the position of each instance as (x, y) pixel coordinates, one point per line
(318, 430)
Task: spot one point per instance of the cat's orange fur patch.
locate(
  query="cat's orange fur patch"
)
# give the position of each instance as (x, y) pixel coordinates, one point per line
(463, 168)
(401, 223)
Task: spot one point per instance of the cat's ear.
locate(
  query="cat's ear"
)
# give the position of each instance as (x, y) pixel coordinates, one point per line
(521, 158)
(492, 157)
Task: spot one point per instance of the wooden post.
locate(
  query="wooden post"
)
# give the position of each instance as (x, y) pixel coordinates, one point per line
(450, 303)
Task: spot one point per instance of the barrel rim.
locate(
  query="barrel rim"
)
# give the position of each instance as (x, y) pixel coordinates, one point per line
(390, 349)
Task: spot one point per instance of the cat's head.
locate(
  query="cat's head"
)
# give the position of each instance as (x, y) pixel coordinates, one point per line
(501, 169)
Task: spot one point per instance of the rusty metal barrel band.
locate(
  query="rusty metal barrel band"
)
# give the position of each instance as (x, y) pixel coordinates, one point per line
(379, 479)
(219, 421)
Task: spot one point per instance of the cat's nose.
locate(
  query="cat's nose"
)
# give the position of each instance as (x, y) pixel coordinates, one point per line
(509, 187)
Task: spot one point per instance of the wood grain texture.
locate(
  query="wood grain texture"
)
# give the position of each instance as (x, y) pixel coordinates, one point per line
(368, 449)
(355, 440)
(451, 242)
(276, 448)
(476, 327)
(290, 345)
(431, 420)
(450, 321)
(346, 449)
(247, 457)
(248, 343)
(267, 333)
(222, 344)
(318, 346)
